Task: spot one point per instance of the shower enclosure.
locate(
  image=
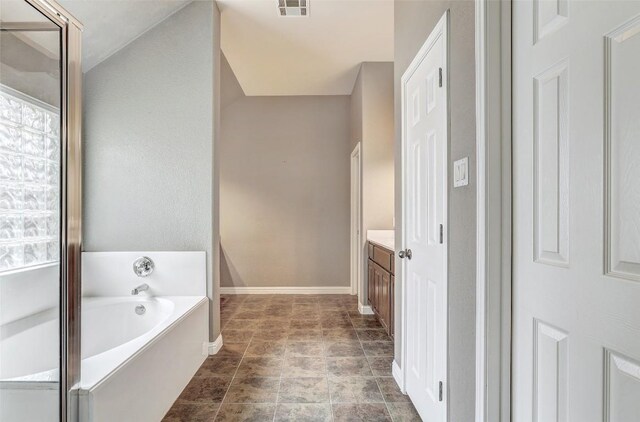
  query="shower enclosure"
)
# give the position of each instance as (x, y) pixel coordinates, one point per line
(40, 211)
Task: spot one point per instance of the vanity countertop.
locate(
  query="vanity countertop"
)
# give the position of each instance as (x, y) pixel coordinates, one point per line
(384, 238)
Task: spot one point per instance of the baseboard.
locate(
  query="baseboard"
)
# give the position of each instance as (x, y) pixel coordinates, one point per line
(365, 309)
(214, 347)
(331, 290)
(397, 375)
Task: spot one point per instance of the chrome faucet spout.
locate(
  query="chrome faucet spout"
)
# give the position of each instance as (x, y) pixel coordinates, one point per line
(140, 288)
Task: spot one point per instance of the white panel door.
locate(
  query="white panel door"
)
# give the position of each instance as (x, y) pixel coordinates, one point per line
(576, 211)
(425, 124)
(357, 245)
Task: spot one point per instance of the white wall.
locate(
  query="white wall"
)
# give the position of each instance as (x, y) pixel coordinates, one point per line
(414, 21)
(285, 191)
(149, 114)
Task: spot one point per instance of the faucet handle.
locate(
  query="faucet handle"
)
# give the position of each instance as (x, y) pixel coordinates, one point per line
(143, 266)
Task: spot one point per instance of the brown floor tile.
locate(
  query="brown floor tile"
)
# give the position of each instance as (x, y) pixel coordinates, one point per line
(277, 311)
(348, 367)
(403, 412)
(265, 348)
(381, 365)
(275, 334)
(288, 357)
(231, 349)
(219, 366)
(304, 390)
(378, 348)
(305, 335)
(391, 391)
(336, 324)
(246, 412)
(305, 307)
(191, 412)
(242, 324)
(303, 412)
(253, 390)
(237, 336)
(361, 323)
(305, 324)
(295, 366)
(368, 412)
(339, 334)
(354, 390)
(271, 324)
(373, 335)
(249, 314)
(263, 366)
(343, 349)
(306, 299)
(304, 348)
(207, 390)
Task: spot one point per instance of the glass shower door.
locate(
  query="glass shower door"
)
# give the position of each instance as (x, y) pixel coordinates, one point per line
(31, 95)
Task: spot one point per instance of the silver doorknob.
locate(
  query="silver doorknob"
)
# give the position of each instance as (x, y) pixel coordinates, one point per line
(405, 253)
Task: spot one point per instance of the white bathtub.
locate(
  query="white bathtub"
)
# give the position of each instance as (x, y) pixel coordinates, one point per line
(133, 366)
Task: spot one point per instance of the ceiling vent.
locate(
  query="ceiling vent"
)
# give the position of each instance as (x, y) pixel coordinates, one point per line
(293, 8)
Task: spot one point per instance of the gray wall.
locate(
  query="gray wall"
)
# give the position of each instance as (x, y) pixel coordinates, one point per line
(285, 191)
(414, 21)
(372, 124)
(148, 151)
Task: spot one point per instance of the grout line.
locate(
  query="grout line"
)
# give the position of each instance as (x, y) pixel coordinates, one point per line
(235, 373)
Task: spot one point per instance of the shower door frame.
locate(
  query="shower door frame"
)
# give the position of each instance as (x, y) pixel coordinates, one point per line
(71, 202)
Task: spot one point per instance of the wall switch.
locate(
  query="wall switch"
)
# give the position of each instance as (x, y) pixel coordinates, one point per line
(461, 172)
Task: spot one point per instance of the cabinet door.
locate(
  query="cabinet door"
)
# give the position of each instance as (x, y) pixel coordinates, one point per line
(392, 296)
(385, 283)
(378, 281)
(371, 285)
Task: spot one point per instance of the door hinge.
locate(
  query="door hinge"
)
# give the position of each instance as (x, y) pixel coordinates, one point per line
(440, 77)
(440, 391)
(441, 234)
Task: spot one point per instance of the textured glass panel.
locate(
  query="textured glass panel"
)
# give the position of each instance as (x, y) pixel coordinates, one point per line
(53, 199)
(33, 143)
(35, 253)
(10, 226)
(10, 197)
(10, 167)
(11, 256)
(53, 250)
(53, 148)
(53, 225)
(35, 225)
(53, 173)
(10, 109)
(33, 117)
(34, 198)
(34, 170)
(29, 183)
(52, 125)
(9, 137)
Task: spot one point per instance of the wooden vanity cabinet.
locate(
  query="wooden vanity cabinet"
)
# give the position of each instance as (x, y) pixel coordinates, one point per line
(381, 284)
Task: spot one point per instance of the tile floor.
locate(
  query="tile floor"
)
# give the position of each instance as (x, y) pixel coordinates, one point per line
(295, 358)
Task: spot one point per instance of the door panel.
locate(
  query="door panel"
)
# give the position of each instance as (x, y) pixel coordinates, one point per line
(576, 212)
(425, 138)
(32, 146)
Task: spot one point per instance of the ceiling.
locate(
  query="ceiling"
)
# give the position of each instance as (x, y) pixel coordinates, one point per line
(109, 25)
(315, 55)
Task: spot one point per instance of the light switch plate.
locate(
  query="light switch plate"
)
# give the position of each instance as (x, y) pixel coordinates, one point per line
(461, 172)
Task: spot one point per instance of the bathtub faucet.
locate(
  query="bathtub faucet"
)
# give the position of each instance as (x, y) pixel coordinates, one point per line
(140, 288)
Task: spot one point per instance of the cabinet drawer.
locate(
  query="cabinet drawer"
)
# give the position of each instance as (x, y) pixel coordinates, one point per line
(383, 257)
